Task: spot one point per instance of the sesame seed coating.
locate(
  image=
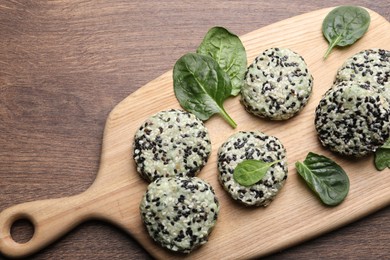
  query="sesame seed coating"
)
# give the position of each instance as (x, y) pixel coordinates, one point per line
(171, 143)
(179, 212)
(257, 146)
(371, 67)
(353, 119)
(277, 84)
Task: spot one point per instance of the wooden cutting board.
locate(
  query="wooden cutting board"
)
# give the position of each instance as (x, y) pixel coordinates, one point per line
(241, 232)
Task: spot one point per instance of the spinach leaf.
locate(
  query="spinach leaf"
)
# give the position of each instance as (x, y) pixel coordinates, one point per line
(201, 86)
(249, 172)
(325, 178)
(344, 25)
(382, 156)
(228, 51)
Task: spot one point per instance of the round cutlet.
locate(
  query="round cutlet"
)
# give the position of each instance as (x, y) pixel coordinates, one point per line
(277, 84)
(353, 119)
(171, 143)
(257, 146)
(371, 66)
(179, 212)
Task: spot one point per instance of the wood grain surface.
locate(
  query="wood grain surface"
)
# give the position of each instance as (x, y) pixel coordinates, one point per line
(64, 66)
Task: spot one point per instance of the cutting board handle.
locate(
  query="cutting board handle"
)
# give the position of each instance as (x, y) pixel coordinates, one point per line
(51, 219)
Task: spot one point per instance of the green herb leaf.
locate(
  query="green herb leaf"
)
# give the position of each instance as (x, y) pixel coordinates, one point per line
(228, 51)
(201, 86)
(382, 156)
(325, 178)
(344, 25)
(249, 172)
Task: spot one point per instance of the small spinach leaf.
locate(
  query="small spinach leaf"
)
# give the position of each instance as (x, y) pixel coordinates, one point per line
(325, 178)
(382, 156)
(344, 25)
(228, 51)
(201, 86)
(249, 172)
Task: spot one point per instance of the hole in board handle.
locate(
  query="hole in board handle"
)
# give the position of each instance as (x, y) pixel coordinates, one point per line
(22, 230)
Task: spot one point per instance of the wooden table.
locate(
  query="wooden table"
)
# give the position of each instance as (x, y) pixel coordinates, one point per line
(65, 64)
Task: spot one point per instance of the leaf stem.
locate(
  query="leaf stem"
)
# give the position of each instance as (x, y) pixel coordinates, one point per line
(228, 118)
(331, 46)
